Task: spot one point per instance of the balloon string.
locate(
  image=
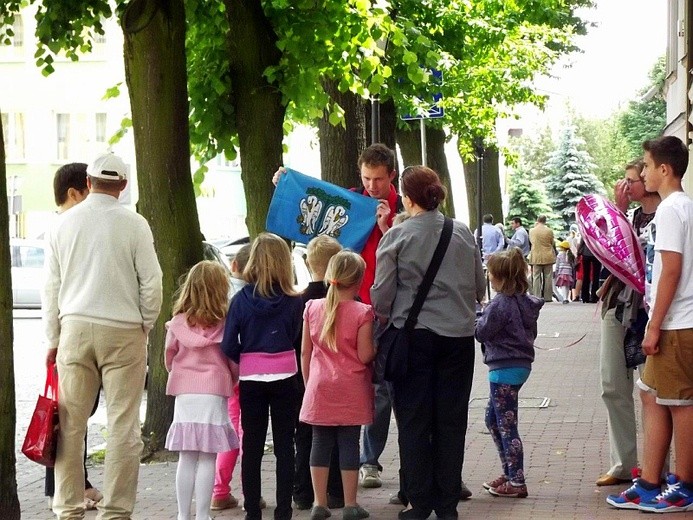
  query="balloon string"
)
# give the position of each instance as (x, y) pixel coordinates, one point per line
(572, 344)
(564, 346)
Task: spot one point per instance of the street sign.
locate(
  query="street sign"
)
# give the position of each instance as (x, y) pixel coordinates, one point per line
(436, 111)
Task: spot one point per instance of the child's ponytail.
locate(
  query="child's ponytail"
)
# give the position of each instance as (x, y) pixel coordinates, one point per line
(329, 328)
(344, 270)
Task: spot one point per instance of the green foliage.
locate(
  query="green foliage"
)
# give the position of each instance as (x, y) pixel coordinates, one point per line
(68, 28)
(125, 126)
(528, 197)
(212, 123)
(533, 151)
(490, 52)
(645, 117)
(571, 175)
(607, 147)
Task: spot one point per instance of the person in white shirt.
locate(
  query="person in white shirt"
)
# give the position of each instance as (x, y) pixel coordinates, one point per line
(666, 382)
(101, 297)
(69, 189)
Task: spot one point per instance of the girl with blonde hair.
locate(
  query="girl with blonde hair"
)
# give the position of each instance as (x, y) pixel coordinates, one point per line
(336, 350)
(263, 322)
(202, 379)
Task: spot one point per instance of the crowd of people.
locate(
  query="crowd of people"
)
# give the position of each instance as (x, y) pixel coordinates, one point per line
(274, 353)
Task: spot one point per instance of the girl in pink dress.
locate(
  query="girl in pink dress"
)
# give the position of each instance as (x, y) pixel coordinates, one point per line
(336, 352)
(564, 271)
(201, 377)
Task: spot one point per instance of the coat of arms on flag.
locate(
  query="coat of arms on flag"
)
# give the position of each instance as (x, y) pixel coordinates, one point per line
(304, 207)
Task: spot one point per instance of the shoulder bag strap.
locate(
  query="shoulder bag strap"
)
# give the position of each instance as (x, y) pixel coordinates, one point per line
(430, 274)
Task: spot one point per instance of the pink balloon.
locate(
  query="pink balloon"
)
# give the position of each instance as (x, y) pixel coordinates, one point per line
(611, 237)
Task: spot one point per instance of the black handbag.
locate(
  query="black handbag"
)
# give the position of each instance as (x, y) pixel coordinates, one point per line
(392, 356)
(632, 343)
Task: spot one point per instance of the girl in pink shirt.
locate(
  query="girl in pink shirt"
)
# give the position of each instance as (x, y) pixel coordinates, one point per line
(336, 351)
(201, 377)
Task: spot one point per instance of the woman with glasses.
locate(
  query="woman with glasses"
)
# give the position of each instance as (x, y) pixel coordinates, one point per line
(620, 309)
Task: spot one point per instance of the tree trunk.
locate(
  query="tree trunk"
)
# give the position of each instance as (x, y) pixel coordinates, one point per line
(490, 193)
(155, 70)
(409, 140)
(258, 106)
(340, 147)
(388, 125)
(9, 502)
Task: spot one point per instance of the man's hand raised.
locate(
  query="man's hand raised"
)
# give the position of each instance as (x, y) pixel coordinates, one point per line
(278, 174)
(382, 213)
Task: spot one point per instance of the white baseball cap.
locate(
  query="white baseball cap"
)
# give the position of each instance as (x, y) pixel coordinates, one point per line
(108, 166)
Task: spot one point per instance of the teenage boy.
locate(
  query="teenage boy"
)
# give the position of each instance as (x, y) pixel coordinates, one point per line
(667, 381)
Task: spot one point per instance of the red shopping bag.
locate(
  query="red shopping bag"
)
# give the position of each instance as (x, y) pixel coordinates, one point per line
(41, 439)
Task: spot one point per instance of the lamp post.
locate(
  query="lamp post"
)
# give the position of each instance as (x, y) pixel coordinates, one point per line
(375, 101)
(375, 120)
(479, 153)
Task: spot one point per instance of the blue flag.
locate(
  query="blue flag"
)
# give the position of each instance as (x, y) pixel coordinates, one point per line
(304, 207)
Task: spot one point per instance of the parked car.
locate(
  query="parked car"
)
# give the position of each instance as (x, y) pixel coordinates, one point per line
(27, 269)
(298, 253)
(27, 257)
(213, 253)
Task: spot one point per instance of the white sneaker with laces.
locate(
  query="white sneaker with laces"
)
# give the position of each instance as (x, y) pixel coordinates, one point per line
(369, 476)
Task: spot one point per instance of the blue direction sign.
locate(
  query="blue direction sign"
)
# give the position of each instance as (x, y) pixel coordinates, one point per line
(436, 110)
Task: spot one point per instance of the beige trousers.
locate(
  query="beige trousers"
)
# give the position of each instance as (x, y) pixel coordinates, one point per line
(542, 281)
(89, 356)
(617, 394)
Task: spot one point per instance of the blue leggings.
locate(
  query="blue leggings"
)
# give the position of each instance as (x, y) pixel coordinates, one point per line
(501, 421)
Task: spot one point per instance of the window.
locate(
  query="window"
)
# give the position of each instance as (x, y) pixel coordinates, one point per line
(100, 128)
(31, 256)
(13, 135)
(63, 134)
(18, 29)
(672, 36)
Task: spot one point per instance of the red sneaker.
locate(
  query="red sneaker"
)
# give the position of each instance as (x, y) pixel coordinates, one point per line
(509, 490)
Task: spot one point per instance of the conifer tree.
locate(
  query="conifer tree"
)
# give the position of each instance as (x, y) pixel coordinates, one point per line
(571, 175)
(528, 197)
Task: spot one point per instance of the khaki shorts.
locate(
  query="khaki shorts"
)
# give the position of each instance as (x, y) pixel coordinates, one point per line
(669, 374)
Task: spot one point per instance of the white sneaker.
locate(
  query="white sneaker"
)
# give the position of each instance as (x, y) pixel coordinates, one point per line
(369, 476)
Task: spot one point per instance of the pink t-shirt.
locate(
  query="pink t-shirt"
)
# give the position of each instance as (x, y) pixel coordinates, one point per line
(339, 391)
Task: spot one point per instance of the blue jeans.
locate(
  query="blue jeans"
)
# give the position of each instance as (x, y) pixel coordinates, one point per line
(375, 434)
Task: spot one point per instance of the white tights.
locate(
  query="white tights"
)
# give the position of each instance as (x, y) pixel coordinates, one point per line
(195, 472)
(564, 291)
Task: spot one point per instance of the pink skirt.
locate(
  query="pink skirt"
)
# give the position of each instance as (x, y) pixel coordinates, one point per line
(564, 280)
(201, 423)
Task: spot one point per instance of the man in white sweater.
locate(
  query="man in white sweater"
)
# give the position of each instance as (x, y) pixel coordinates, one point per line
(101, 297)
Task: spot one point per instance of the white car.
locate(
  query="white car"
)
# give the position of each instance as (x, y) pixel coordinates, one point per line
(27, 270)
(301, 273)
(27, 258)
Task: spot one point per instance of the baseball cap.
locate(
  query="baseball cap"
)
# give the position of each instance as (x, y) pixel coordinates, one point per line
(108, 166)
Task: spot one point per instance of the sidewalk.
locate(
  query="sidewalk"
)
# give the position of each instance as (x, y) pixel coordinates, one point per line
(566, 443)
